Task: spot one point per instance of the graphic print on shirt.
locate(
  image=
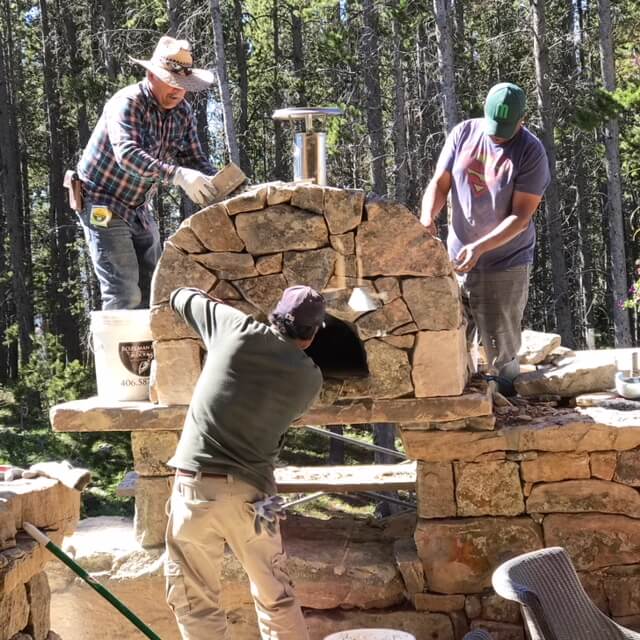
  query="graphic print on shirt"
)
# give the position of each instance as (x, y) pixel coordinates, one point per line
(484, 169)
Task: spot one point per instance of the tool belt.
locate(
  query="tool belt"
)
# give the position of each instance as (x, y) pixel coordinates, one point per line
(73, 184)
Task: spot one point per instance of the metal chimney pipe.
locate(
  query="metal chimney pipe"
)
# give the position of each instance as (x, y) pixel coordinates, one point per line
(309, 146)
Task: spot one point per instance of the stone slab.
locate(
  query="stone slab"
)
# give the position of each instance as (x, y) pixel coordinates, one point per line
(554, 467)
(409, 564)
(215, 230)
(343, 209)
(536, 346)
(14, 612)
(39, 597)
(434, 302)
(150, 519)
(170, 357)
(151, 450)
(435, 490)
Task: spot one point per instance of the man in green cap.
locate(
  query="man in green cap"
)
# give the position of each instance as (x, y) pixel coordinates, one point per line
(496, 172)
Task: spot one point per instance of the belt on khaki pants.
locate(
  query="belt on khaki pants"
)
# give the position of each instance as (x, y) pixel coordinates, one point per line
(203, 474)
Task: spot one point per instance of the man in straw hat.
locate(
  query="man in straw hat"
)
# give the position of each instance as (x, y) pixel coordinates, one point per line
(146, 136)
(255, 383)
(496, 171)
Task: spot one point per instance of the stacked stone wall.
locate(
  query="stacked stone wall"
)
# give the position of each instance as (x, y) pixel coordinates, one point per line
(486, 495)
(24, 588)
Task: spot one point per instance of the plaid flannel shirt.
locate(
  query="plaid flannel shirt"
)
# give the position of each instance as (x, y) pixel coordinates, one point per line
(135, 146)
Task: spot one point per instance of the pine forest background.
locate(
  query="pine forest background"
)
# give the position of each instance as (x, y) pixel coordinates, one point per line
(403, 71)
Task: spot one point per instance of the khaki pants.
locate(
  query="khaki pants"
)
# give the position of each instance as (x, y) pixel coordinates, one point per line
(494, 303)
(204, 514)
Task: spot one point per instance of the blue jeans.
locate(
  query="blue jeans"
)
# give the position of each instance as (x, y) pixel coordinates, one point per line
(124, 256)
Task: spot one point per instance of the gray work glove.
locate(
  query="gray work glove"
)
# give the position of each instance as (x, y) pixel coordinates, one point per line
(195, 184)
(267, 513)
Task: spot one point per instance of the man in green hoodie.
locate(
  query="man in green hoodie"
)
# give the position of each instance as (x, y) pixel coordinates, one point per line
(256, 381)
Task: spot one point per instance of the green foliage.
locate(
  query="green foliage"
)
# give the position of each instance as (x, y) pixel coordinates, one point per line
(49, 378)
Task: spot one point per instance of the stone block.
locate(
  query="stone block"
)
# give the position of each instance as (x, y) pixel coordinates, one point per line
(228, 266)
(409, 564)
(151, 451)
(7, 526)
(401, 342)
(459, 556)
(593, 584)
(500, 630)
(281, 228)
(226, 291)
(435, 490)
(603, 464)
(343, 209)
(262, 292)
(176, 269)
(438, 603)
(473, 606)
(39, 598)
(450, 446)
(488, 488)
(313, 267)
(582, 496)
(536, 346)
(405, 329)
(594, 540)
(267, 265)
(43, 502)
(628, 468)
(186, 240)
(345, 269)
(279, 192)
(440, 363)
(497, 608)
(214, 229)
(171, 356)
(392, 242)
(389, 373)
(460, 624)
(14, 612)
(309, 197)
(382, 321)
(250, 200)
(388, 288)
(344, 243)
(434, 303)
(589, 371)
(554, 467)
(623, 594)
(150, 520)
(168, 325)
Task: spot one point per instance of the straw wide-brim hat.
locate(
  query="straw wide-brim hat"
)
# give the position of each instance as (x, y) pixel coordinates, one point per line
(173, 64)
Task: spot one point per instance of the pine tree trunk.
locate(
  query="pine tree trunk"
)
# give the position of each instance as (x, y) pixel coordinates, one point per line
(617, 266)
(562, 307)
(223, 82)
(279, 172)
(441, 9)
(243, 86)
(370, 61)
(297, 54)
(11, 191)
(399, 120)
(62, 226)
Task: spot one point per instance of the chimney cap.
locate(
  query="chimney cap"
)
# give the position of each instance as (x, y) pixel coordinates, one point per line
(302, 113)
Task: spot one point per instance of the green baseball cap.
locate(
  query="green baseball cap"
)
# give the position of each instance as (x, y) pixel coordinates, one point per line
(504, 107)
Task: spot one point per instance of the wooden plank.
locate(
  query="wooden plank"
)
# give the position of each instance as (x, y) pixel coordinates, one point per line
(337, 479)
(346, 479)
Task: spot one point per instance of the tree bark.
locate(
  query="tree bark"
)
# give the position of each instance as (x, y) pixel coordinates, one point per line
(11, 183)
(618, 263)
(297, 54)
(243, 86)
(441, 9)
(223, 82)
(279, 172)
(562, 306)
(399, 120)
(370, 62)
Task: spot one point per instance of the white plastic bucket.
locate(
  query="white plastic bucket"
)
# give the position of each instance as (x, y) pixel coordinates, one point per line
(123, 350)
(371, 634)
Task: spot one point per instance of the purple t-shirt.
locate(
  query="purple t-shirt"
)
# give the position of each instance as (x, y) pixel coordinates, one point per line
(484, 176)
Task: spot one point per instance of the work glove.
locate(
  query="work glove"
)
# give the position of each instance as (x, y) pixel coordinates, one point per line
(267, 513)
(195, 184)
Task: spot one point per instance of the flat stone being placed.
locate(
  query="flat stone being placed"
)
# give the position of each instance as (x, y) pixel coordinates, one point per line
(250, 200)
(536, 346)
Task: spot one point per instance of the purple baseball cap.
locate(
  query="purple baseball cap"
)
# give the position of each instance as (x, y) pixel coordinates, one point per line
(302, 305)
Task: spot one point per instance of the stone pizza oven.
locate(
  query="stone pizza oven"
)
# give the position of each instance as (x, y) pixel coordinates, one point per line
(383, 364)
